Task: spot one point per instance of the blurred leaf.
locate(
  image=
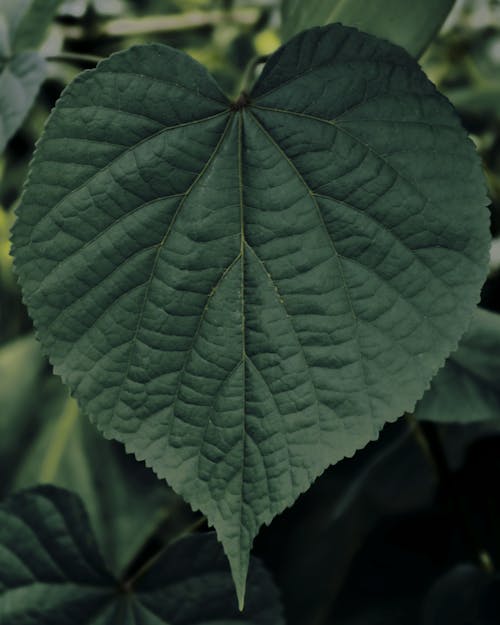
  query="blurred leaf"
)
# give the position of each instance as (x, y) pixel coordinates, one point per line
(477, 99)
(4, 37)
(20, 79)
(6, 276)
(32, 28)
(409, 23)
(14, 11)
(466, 595)
(467, 388)
(20, 365)
(51, 572)
(22, 71)
(125, 501)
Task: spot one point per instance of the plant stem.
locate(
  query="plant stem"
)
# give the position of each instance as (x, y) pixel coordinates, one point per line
(74, 57)
(128, 584)
(423, 443)
(249, 74)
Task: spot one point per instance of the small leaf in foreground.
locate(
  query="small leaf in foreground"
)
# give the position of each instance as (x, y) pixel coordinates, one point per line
(246, 293)
(467, 388)
(51, 573)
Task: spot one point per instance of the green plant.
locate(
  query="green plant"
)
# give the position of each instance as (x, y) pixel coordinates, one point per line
(241, 291)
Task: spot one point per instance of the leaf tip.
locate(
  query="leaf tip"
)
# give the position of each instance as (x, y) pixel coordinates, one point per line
(240, 592)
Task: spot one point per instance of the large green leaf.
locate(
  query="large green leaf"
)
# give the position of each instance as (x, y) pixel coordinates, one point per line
(245, 293)
(410, 24)
(51, 573)
(468, 387)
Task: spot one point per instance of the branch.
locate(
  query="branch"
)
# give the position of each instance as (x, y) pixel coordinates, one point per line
(124, 27)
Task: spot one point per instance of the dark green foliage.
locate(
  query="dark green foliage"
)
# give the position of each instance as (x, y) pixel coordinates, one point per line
(51, 573)
(245, 293)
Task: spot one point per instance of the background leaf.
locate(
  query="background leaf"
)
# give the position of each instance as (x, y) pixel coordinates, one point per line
(125, 501)
(380, 514)
(260, 307)
(466, 595)
(329, 524)
(31, 29)
(467, 388)
(51, 572)
(410, 24)
(20, 80)
(14, 11)
(23, 28)
(20, 365)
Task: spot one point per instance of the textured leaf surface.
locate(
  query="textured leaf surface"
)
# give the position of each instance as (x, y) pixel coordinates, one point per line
(245, 295)
(467, 389)
(410, 24)
(51, 573)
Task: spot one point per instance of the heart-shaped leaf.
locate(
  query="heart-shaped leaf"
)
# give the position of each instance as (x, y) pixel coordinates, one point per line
(51, 573)
(245, 293)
